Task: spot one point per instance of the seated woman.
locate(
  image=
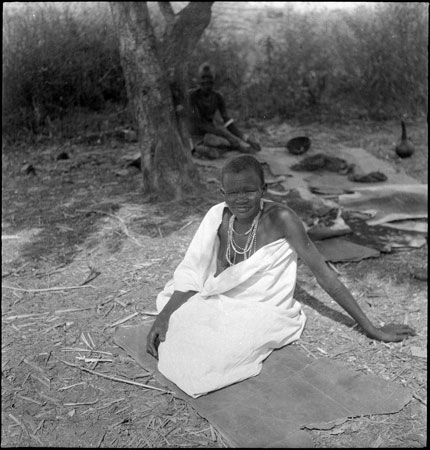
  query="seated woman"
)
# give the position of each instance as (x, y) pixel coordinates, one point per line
(231, 301)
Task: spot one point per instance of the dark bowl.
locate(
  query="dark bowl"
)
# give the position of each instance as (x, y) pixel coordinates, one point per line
(299, 145)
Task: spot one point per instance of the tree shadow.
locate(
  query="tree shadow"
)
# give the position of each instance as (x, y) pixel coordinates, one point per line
(307, 299)
(61, 245)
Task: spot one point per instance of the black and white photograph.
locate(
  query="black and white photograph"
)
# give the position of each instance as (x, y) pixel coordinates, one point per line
(214, 224)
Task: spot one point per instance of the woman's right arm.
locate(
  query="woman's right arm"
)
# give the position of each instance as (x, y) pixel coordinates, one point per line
(158, 331)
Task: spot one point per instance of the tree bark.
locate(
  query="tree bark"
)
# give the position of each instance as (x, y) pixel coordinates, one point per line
(168, 14)
(183, 31)
(167, 168)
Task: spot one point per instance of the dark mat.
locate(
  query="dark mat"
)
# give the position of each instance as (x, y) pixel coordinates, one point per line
(338, 249)
(291, 391)
(388, 202)
(382, 238)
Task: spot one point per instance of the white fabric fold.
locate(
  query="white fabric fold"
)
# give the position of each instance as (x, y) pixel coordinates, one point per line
(223, 333)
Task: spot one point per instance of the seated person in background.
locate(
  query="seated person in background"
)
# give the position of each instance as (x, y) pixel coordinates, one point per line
(209, 139)
(230, 302)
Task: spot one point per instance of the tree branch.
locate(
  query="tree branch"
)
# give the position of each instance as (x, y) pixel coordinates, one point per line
(187, 29)
(168, 14)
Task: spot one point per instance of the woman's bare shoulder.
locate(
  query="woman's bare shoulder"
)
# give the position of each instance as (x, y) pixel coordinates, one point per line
(279, 212)
(284, 221)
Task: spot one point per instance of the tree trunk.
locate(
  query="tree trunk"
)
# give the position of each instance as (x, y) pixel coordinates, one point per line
(168, 171)
(183, 30)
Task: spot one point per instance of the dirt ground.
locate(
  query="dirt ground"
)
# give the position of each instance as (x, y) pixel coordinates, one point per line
(82, 254)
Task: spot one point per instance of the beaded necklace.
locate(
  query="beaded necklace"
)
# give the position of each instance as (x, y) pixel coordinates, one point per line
(251, 241)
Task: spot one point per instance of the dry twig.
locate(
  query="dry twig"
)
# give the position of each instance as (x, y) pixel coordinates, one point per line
(62, 311)
(135, 383)
(28, 399)
(308, 351)
(59, 288)
(149, 313)
(186, 225)
(81, 403)
(71, 386)
(76, 349)
(419, 399)
(24, 316)
(118, 322)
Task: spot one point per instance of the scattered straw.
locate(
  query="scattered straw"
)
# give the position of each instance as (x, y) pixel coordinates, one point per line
(186, 225)
(25, 379)
(71, 386)
(419, 399)
(123, 293)
(399, 373)
(149, 313)
(332, 266)
(39, 426)
(307, 351)
(44, 382)
(34, 366)
(81, 403)
(59, 288)
(120, 303)
(92, 360)
(101, 439)
(31, 400)
(88, 340)
(14, 272)
(62, 311)
(112, 402)
(108, 311)
(121, 411)
(135, 383)
(24, 316)
(57, 269)
(25, 325)
(77, 349)
(213, 435)
(118, 322)
(20, 423)
(321, 350)
(92, 276)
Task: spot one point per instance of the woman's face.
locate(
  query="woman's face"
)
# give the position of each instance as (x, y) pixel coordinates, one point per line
(242, 193)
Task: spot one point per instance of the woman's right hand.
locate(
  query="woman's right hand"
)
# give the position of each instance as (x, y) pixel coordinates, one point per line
(157, 334)
(158, 331)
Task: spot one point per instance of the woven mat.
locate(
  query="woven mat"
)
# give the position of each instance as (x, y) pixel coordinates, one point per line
(291, 392)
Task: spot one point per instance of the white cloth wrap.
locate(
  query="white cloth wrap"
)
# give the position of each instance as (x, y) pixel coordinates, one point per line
(223, 333)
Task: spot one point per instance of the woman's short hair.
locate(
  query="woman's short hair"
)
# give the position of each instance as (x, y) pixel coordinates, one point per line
(241, 163)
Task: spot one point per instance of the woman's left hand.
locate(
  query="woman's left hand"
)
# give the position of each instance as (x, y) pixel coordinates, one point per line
(392, 332)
